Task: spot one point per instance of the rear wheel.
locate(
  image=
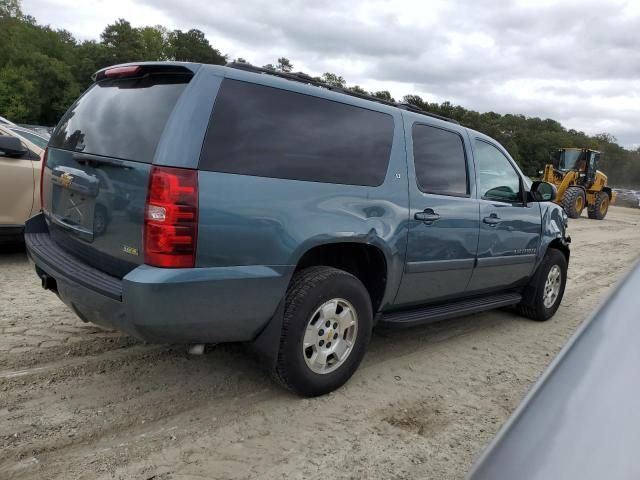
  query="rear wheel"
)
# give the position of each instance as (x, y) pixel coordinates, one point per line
(574, 201)
(544, 293)
(599, 209)
(326, 328)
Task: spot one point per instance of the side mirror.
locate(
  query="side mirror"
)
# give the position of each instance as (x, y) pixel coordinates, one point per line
(11, 146)
(543, 192)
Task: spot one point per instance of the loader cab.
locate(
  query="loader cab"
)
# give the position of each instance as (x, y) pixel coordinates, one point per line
(582, 160)
(592, 166)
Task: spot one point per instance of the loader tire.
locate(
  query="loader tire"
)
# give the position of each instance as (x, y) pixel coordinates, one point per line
(574, 201)
(599, 209)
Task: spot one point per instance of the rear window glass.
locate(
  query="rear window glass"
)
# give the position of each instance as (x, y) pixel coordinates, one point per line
(121, 118)
(269, 132)
(440, 161)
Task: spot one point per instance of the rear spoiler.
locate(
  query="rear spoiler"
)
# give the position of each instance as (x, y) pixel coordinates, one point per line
(139, 69)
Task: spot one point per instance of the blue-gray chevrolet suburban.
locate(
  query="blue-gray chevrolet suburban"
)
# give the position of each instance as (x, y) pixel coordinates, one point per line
(188, 203)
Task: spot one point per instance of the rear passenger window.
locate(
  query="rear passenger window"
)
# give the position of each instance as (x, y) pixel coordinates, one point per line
(440, 161)
(269, 132)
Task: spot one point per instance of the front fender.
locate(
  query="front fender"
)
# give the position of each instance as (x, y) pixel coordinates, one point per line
(553, 231)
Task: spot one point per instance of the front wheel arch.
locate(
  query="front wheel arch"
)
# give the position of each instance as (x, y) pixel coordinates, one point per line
(558, 244)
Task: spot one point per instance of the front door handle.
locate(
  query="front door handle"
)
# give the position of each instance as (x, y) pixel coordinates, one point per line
(492, 219)
(428, 216)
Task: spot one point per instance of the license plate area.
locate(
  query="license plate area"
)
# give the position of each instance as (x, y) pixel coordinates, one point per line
(73, 201)
(74, 208)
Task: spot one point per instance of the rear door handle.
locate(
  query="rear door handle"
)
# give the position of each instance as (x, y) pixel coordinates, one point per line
(428, 216)
(492, 219)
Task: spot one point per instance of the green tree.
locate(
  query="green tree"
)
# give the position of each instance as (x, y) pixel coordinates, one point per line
(333, 80)
(90, 56)
(123, 42)
(358, 89)
(193, 46)
(284, 65)
(384, 95)
(155, 43)
(416, 101)
(17, 93)
(10, 9)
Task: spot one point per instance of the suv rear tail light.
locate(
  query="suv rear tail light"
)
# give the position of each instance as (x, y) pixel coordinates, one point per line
(171, 218)
(44, 164)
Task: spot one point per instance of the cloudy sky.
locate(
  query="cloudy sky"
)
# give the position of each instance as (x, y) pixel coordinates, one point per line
(575, 61)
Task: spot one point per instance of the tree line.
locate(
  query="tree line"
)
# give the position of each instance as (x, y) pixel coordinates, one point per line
(42, 71)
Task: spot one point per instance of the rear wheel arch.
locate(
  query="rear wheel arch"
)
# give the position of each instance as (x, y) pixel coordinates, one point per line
(365, 261)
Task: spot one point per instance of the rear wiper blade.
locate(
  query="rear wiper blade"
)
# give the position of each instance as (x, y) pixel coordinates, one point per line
(95, 161)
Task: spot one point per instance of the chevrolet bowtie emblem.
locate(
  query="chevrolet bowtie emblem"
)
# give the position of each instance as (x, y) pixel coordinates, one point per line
(66, 179)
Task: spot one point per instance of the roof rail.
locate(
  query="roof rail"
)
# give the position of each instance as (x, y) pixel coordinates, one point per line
(308, 79)
(414, 108)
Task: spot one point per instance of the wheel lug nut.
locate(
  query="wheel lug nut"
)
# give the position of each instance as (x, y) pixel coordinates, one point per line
(328, 324)
(335, 325)
(328, 344)
(321, 342)
(321, 332)
(335, 335)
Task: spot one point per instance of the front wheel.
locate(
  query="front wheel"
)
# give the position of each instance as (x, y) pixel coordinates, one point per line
(544, 293)
(326, 329)
(574, 201)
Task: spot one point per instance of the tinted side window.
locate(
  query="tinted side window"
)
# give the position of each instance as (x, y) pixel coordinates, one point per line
(440, 161)
(497, 179)
(269, 132)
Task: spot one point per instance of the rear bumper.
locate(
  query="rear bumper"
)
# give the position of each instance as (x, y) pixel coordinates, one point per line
(196, 305)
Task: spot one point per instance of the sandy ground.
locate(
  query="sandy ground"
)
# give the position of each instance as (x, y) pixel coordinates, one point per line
(80, 402)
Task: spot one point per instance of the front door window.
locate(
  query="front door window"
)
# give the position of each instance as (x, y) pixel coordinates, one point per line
(497, 179)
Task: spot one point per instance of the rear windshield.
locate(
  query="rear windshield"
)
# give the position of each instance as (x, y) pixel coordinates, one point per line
(269, 132)
(121, 118)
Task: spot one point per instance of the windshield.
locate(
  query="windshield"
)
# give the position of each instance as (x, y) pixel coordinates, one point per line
(32, 137)
(568, 159)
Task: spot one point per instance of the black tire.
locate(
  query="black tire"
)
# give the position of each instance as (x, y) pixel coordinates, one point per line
(574, 201)
(532, 304)
(309, 289)
(599, 209)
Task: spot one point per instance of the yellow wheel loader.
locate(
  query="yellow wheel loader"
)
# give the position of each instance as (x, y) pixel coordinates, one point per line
(580, 184)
